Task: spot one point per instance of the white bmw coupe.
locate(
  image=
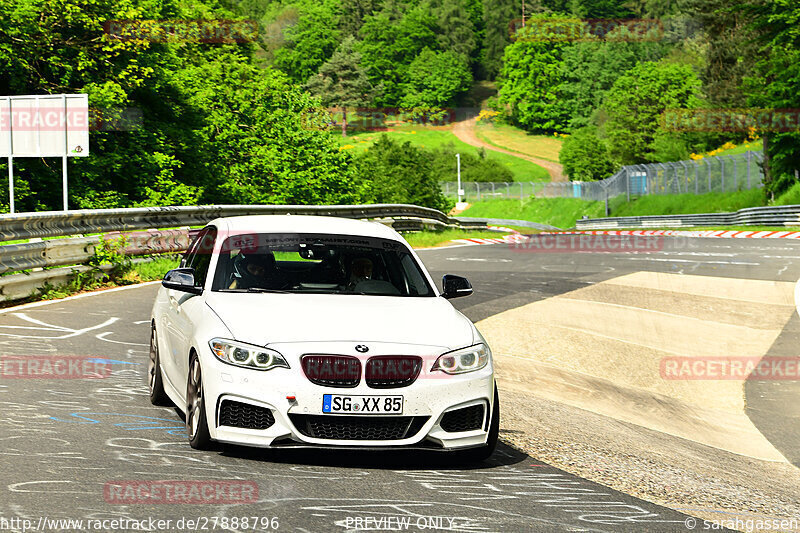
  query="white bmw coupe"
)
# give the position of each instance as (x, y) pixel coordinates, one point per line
(295, 331)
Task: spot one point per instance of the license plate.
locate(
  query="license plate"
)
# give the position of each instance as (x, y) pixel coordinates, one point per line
(367, 405)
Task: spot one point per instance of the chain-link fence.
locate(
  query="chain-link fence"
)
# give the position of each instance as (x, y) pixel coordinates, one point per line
(710, 174)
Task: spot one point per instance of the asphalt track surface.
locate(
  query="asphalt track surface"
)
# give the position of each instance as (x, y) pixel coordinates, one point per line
(62, 441)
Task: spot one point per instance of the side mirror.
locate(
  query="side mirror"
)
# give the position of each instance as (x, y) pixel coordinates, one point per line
(455, 286)
(181, 279)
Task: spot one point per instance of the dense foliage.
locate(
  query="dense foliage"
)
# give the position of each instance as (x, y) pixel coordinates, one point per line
(215, 127)
(585, 156)
(401, 173)
(246, 122)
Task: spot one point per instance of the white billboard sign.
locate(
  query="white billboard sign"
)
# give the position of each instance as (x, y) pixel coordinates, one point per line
(46, 125)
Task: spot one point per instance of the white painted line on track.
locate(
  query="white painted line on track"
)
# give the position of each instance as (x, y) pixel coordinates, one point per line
(666, 260)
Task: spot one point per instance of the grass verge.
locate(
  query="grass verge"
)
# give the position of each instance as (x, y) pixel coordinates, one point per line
(438, 136)
(790, 197)
(682, 204)
(430, 239)
(139, 272)
(563, 212)
(558, 212)
(518, 140)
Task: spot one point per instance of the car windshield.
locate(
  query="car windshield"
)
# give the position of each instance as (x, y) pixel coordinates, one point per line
(318, 263)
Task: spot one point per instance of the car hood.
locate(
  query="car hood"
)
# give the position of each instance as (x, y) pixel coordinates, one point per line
(263, 319)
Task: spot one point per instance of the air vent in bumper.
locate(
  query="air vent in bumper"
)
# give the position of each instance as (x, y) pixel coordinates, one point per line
(464, 419)
(243, 415)
(336, 427)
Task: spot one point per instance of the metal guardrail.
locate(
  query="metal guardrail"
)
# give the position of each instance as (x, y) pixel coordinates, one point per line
(111, 222)
(58, 223)
(786, 215)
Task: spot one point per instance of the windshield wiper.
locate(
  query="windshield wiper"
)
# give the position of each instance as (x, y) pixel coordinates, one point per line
(256, 289)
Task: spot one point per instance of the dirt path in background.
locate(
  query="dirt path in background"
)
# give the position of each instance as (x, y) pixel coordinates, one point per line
(465, 131)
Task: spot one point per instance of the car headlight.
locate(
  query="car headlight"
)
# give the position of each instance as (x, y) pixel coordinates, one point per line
(463, 360)
(246, 355)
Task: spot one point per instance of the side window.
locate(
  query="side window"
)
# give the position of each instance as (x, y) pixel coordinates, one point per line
(199, 257)
(416, 283)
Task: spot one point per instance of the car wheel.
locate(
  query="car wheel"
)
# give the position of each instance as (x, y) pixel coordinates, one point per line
(154, 381)
(475, 455)
(196, 424)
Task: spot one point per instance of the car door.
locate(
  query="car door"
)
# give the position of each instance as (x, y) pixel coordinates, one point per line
(183, 310)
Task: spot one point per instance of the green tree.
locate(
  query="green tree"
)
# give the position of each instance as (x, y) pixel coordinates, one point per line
(498, 16)
(213, 127)
(435, 79)
(589, 69)
(607, 9)
(390, 42)
(456, 31)
(635, 103)
(774, 83)
(400, 173)
(531, 79)
(585, 156)
(353, 13)
(310, 42)
(731, 50)
(341, 81)
(475, 13)
(261, 132)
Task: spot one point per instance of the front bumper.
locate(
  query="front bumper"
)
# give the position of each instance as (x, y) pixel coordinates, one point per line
(425, 403)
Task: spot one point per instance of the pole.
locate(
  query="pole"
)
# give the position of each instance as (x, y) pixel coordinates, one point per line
(10, 157)
(458, 170)
(11, 183)
(64, 180)
(628, 183)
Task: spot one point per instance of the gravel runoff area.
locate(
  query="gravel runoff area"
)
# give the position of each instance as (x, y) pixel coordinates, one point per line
(698, 480)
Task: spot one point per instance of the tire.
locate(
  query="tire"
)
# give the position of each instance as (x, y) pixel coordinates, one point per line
(154, 379)
(196, 424)
(476, 455)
